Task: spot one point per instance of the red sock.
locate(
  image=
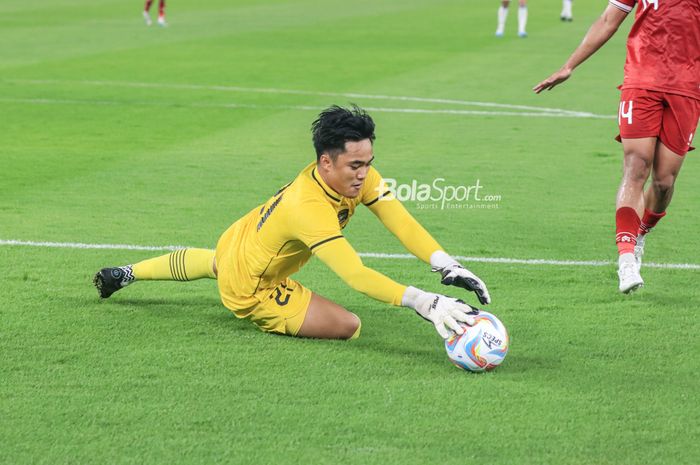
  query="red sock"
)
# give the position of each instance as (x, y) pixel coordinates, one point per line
(649, 221)
(161, 8)
(148, 5)
(627, 224)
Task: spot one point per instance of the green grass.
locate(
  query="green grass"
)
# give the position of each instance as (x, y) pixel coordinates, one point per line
(163, 373)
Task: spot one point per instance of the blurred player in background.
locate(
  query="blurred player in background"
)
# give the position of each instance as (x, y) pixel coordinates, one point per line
(658, 112)
(161, 13)
(256, 255)
(503, 15)
(566, 13)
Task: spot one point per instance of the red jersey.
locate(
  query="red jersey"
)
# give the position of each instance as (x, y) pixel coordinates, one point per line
(663, 48)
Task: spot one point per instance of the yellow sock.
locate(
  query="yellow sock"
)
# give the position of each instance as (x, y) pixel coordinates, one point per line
(180, 265)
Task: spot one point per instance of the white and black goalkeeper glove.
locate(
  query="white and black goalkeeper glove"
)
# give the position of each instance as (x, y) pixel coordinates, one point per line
(454, 274)
(444, 312)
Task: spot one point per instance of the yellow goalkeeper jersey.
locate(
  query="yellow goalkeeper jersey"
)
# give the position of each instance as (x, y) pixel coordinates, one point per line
(305, 218)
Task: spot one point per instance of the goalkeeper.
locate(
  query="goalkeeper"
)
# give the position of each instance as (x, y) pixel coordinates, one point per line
(256, 255)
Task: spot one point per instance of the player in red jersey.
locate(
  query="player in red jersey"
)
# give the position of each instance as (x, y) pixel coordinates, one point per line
(658, 112)
(161, 13)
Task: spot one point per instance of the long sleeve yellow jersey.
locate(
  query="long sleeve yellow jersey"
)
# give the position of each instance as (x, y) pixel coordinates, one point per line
(305, 218)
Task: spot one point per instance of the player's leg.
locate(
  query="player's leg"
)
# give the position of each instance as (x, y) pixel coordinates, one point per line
(502, 17)
(161, 13)
(292, 309)
(180, 265)
(667, 165)
(327, 320)
(146, 14)
(638, 160)
(657, 197)
(639, 120)
(522, 18)
(637, 163)
(679, 124)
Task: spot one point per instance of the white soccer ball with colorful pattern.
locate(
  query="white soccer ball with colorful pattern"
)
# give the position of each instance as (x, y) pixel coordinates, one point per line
(481, 347)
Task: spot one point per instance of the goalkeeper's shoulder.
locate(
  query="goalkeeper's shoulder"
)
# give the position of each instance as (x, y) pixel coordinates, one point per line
(374, 188)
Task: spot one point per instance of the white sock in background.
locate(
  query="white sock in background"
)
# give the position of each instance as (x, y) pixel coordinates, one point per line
(522, 20)
(502, 16)
(566, 9)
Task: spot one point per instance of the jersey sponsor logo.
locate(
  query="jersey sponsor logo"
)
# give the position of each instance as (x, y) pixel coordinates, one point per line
(269, 211)
(646, 3)
(625, 112)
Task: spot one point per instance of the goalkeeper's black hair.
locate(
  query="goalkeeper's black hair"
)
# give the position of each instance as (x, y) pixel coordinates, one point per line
(337, 125)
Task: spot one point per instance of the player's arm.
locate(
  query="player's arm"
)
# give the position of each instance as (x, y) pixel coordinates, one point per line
(316, 224)
(420, 243)
(444, 312)
(342, 259)
(404, 226)
(599, 33)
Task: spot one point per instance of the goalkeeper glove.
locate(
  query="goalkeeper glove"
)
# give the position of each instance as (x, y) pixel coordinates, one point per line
(454, 274)
(444, 312)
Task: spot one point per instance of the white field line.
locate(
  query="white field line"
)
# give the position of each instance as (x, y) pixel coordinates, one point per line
(509, 261)
(540, 111)
(45, 101)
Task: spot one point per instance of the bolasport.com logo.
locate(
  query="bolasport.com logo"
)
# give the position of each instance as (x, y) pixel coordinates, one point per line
(439, 194)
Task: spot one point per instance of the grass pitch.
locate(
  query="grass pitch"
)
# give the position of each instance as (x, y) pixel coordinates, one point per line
(114, 133)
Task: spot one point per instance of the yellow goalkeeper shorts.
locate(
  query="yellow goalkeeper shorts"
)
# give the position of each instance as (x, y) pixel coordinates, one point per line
(279, 310)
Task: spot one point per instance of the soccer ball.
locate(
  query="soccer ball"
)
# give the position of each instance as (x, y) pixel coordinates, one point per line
(481, 347)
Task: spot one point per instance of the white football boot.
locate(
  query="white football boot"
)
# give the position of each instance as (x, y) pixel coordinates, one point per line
(161, 21)
(147, 18)
(628, 272)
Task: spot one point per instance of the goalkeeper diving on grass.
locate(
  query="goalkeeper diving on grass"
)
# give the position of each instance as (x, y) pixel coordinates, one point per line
(256, 256)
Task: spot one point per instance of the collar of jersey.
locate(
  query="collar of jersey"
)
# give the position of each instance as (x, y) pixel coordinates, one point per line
(330, 193)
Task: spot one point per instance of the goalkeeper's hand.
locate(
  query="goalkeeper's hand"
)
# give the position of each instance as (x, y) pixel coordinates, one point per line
(456, 275)
(444, 312)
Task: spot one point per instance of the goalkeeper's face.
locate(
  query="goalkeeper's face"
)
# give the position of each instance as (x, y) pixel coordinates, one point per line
(347, 172)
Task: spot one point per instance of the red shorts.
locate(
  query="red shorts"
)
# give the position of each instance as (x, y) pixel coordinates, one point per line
(671, 118)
